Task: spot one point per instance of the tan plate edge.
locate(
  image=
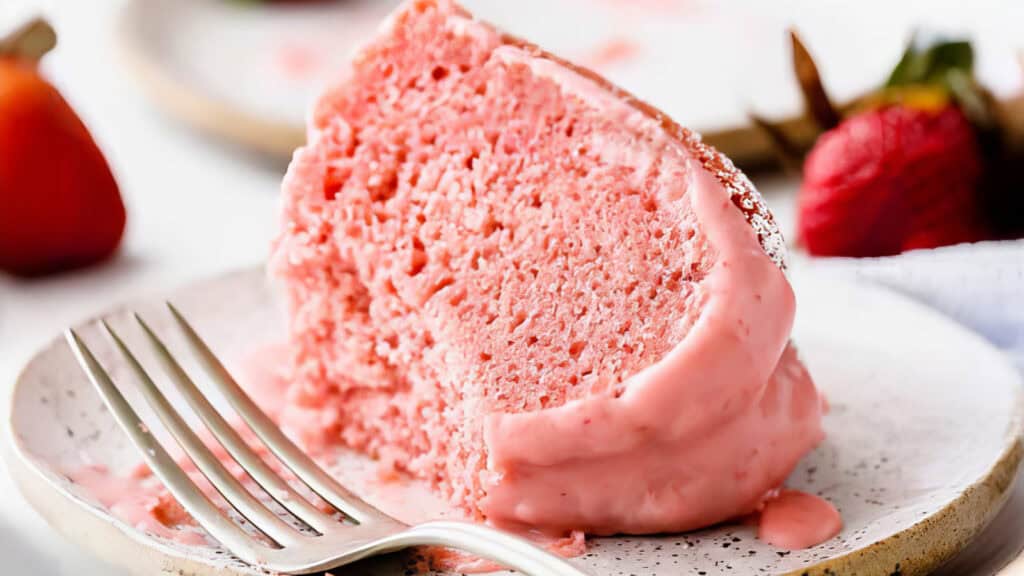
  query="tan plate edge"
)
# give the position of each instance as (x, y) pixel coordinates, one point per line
(207, 113)
(940, 536)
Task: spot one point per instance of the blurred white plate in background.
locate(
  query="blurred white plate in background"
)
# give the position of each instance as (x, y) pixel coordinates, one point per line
(704, 62)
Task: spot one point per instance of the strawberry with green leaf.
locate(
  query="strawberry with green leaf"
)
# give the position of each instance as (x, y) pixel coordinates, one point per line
(908, 166)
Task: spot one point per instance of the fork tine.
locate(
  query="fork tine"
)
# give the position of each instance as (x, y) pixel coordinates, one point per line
(227, 485)
(283, 448)
(257, 469)
(174, 478)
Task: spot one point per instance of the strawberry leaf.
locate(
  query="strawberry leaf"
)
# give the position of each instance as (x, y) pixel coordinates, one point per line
(932, 63)
(946, 65)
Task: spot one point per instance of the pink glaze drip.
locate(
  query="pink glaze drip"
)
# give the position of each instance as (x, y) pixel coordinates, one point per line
(143, 505)
(794, 520)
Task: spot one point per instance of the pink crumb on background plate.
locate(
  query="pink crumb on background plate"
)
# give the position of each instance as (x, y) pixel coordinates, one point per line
(613, 51)
(653, 6)
(297, 60)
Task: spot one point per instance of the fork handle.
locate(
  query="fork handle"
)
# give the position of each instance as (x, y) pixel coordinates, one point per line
(505, 549)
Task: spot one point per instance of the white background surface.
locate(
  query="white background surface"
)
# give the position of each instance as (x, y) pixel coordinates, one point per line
(196, 208)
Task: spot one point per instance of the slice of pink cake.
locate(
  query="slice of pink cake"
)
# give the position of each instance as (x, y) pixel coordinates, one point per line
(517, 282)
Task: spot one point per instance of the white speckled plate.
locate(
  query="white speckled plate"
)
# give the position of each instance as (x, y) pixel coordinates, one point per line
(924, 441)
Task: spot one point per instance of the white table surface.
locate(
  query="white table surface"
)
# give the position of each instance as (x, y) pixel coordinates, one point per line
(195, 209)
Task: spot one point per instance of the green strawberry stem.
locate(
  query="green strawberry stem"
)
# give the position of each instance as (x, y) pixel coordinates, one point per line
(29, 42)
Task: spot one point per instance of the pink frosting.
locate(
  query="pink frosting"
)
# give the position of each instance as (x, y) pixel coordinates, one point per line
(695, 426)
(795, 520)
(714, 419)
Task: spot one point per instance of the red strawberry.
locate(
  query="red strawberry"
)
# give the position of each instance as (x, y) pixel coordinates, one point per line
(892, 179)
(60, 203)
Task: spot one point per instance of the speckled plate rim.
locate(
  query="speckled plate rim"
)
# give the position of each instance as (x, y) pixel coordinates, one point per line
(938, 537)
(964, 518)
(81, 521)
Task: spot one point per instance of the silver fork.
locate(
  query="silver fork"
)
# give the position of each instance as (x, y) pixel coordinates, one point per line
(328, 543)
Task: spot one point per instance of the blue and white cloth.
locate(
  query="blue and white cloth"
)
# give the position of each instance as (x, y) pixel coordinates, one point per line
(979, 285)
(982, 287)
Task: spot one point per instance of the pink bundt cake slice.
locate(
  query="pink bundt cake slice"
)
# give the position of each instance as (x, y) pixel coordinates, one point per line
(515, 281)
